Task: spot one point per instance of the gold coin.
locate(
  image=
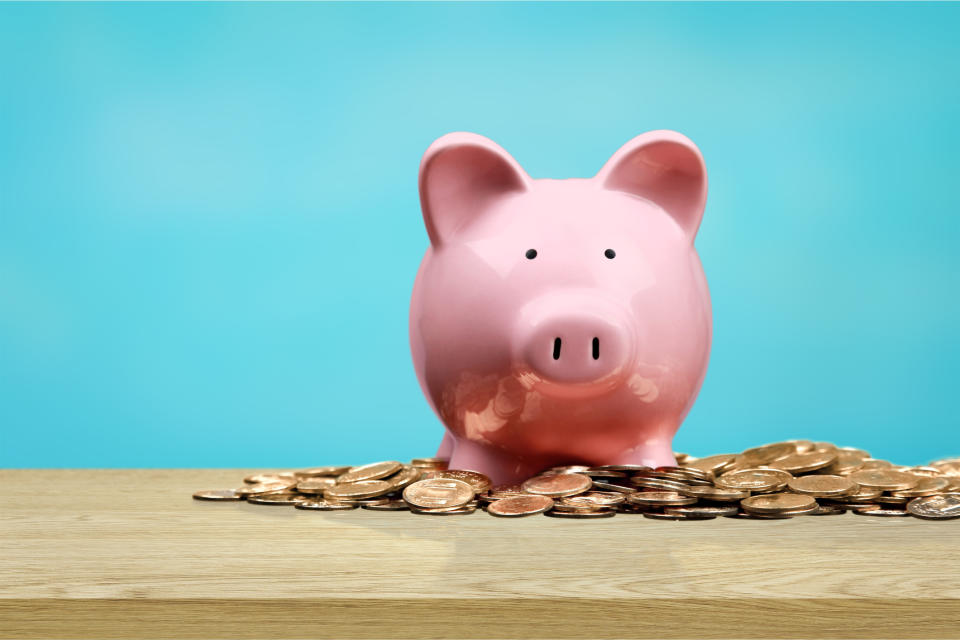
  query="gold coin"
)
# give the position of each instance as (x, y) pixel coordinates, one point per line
(218, 495)
(755, 480)
(359, 489)
(263, 478)
(282, 498)
(885, 479)
(520, 506)
(926, 486)
(805, 462)
(823, 486)
(372, 471)
(714, 494)
(438, 493)
(478, 481)
(779, 503)
(943, 507)
(267, 487)
(558, 485)
(316, 472)
(315, 485)
(660, 499)
(321, 504)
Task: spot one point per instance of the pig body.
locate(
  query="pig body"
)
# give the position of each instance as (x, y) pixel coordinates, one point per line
(560, 321)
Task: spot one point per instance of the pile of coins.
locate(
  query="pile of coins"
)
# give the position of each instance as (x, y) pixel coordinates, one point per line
(773, 481)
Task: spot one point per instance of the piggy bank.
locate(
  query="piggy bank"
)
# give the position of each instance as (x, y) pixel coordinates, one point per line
(557, 322)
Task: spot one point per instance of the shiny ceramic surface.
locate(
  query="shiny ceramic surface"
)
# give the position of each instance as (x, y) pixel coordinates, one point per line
(560, 321)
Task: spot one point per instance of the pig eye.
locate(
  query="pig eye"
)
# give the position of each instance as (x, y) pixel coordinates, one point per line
(531, 254)
(610, 253)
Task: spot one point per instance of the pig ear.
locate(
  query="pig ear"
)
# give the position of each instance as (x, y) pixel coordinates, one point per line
(666, 168)
(462, 174)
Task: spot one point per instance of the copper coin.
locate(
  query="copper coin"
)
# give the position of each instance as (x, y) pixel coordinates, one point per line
(885, 479)
(387, 505)
(315, 485)
(765, 454)
(823, 486)
(714, 494)
(704, 511)
(598, 513)
(626, 468)
(827, 510)
(926, 486)
(804, 462)
(262, 478)
(943, 507)
(609, 486)
(464, 510)
(266, 487)
(658, 483)
(218, 495)
(558, 485)
(320, 504)
(430, 463)
(596, 499)
(756, 480)
(950, 466)
(317, 472)
(438, 493)
(520, 506)
(359, 489)
(712, 464)
(778, 503)
(282, 498)
(372, 471)
(406, 476)
(846, 462)
(477, 480)
(660, 498)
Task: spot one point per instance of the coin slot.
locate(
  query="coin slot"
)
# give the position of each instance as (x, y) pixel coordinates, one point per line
(596, 348)
(556, 348)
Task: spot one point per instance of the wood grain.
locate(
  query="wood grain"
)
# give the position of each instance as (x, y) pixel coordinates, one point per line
(128, 553)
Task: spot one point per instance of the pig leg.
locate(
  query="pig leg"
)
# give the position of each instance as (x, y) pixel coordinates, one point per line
(651, 454)
(446, 445)
(500, 467)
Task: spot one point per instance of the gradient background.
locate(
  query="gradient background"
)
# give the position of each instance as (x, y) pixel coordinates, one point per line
(209, 222)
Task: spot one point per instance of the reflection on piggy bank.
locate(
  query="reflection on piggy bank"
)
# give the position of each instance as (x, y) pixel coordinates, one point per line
(560, 322)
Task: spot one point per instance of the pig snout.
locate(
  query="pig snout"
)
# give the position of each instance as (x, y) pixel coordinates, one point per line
(573, 340)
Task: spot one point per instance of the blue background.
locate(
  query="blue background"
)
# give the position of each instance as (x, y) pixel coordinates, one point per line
(209, 222)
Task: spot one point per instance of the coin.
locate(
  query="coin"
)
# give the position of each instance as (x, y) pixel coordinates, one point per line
(321, 504)
(218, 495)
(316, 472)
(276, 498)
(520, 506)
(430, 463)
(658, 483)
(713, 494)
(359, 489)
(438, 492)
(882, 512)
(779, 503)
(387, 505)
(372, 471)
(804, 462)
(703, 511)
(626, 468)
(262, 478)
(267, 487)
(599, 513)
(315, 485)
(885, 479)
(406, 476)
(943, 507)
(755, 480)
(609, 486)
(464, 510)
(823, 486)
(558, 485)
(595, 499)
(926, 486)
(713, 464)
(478, 481)
(765, 454)
(660, 498)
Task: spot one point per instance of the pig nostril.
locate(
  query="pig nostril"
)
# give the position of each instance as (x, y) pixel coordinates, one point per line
(556, 348)
(596, 348)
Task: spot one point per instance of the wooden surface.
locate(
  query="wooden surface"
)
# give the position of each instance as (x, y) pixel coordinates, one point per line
(128, 553)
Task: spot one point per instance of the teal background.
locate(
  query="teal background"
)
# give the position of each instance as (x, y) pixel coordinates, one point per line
(209, 222)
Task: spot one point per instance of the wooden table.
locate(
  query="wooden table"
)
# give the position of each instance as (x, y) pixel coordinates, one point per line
(128, 553)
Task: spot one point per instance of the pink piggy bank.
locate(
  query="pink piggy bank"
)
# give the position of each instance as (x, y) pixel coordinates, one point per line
(558, 322)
